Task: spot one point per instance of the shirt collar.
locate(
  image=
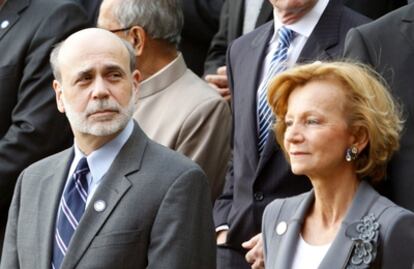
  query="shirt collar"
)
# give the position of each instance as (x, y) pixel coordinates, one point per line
(306, 24)
(163, 78)
(100, 160)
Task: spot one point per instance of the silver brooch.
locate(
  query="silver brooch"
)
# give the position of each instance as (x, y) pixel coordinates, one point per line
(365, 235)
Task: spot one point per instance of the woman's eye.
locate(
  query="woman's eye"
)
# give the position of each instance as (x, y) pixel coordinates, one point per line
(312, 121)
(288, 123)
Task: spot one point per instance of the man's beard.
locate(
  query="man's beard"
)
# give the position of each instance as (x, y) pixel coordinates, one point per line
(80, 121)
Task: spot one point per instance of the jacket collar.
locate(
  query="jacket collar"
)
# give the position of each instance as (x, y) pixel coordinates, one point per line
(341, 249)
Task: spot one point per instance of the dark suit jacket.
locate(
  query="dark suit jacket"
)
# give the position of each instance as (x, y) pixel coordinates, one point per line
(91, 8)
(30, 125)
(374, 8)
(394, 245)
(158, 213)
(201, 19)
(230, 28)
(388, 45)
(251, 182)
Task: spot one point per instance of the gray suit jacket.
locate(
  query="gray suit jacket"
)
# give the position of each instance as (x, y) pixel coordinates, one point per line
(394, 244)
(387, 44)
(158, 213)
(179, 110)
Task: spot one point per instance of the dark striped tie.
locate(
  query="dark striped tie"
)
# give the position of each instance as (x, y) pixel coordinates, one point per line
(72, 206)
(277, 64)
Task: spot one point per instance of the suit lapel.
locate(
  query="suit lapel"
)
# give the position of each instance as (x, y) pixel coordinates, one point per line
(266, 13)
(288, 241)
(50, 195)
(341, 248)
(325, 35)
(235, 22)
(113, 187)
(10, 14)
(258, 49)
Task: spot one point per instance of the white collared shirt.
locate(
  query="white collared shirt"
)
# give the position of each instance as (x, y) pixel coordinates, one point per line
(100, 160)
(303, 29)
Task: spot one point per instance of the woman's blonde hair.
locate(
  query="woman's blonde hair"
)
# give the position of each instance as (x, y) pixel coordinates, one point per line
(370, 106)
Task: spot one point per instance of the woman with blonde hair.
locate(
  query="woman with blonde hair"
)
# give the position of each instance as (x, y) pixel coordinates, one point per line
(338, 125)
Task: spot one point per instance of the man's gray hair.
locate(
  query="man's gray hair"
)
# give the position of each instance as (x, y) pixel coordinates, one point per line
(161, 19)
(54, 61)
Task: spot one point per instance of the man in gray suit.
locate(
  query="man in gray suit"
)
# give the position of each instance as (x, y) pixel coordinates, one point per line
(115, 199)
(175, 107)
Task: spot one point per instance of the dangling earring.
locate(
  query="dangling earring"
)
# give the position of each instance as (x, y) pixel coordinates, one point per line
(351, 153)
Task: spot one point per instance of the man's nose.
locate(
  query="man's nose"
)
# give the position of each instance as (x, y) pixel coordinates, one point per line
(100, 89)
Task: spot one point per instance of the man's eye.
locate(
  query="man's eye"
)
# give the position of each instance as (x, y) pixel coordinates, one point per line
(115, 75)
(84, 79)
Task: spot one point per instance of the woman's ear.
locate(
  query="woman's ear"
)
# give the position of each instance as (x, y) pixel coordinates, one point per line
(360, 138)
(137, 37)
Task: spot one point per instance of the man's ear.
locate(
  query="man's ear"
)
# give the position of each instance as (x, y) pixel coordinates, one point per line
(58, 92)
(136, 77)
(137, 37)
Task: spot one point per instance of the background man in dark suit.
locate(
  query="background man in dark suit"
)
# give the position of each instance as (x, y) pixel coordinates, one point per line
(115, 199)
(232, 25)
(201, 19)
(387, 44)
(30, 126)
(254, 179)
(374, 8)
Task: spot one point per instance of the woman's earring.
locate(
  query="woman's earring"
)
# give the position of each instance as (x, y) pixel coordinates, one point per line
(351, 153)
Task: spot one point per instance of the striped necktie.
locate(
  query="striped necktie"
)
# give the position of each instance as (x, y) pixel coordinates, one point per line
(277, 64)
(72, 206)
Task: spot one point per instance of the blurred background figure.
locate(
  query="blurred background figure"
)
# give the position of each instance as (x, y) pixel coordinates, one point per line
(301, 31)
(338, 125)
(91, 8)
(374, 8)
(238, 17)
(387, 45)
(30, 126)
(176, 108)
(201, 20)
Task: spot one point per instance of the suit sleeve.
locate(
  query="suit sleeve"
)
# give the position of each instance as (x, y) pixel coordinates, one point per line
(223, 204)
(399, 242)
(36, 129)
(182, 236)
(205, 138)
(216, 55)
(9, 257)
(356, 48)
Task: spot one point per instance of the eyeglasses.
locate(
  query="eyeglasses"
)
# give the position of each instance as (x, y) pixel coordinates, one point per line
(120, 30)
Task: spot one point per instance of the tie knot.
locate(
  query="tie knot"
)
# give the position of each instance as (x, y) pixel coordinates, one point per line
(285, 36)
(82, 167)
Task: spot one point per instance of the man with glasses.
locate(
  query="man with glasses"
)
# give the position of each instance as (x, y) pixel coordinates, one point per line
(175, 107)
